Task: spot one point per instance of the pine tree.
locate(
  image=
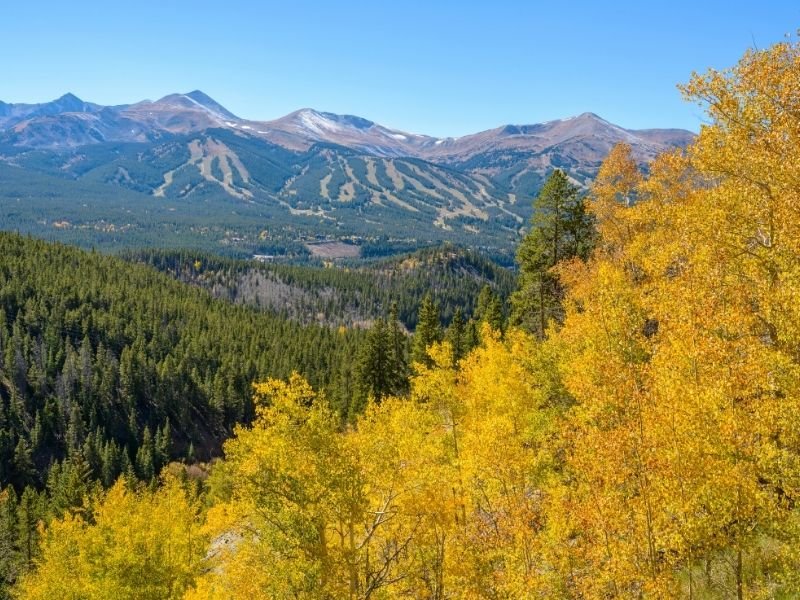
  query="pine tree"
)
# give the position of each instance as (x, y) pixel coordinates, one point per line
(457, 335)
(9, 531)
(74, 429)
(374, 364)
(24, 471)
(110, 463)
(489, 309)
(145, 457)
(483, 305)
(398, 347)
(429, 331)
(494, 314)
(162, 445)
(29, 512)
(472, 336)
(561, 229)
(68, 483)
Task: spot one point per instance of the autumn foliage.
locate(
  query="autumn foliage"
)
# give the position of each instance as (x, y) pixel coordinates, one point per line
(646, 447)
(681, 349)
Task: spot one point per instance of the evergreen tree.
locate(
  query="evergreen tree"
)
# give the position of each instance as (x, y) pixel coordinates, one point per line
(24, 471)
(68, 483)
(30, 511)
(9, 532)
(374, 364)
(472, 337)
(381, 366)
(145, 457)
(345, 390)
(457, 335)
(162, 445)
(495, 316)
(489, 310)
(398, 346)
(429, 331)
(110, 463)
(561, 229)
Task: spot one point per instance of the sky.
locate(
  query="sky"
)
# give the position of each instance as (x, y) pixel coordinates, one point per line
(444, 68)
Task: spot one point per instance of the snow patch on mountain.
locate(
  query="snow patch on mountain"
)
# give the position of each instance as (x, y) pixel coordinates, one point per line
(318, 124)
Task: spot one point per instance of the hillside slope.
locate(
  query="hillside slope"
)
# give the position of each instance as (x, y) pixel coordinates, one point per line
(350, 296)
(100, 354)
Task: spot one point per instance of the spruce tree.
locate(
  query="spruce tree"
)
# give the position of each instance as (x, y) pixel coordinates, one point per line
(24, 471)
(374, 364)
(489, 310)
(429, 331)
(472, 338)
(561, 229)
(398, 348)
(29, 512)
(162, 445)
(145, 459)
(494, 314)
(457, 335)
(68, 483)
(485, 299)
(9, 550)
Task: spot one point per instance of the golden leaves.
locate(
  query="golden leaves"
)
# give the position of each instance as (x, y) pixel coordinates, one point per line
(139, 544)
(680, 342)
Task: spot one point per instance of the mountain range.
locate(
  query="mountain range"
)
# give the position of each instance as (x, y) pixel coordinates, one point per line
(307, 174)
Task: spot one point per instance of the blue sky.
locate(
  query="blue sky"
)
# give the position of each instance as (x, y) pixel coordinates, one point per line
(437, 67)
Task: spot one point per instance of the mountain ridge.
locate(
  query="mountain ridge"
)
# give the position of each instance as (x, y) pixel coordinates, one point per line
(307, 174)
(305, 125)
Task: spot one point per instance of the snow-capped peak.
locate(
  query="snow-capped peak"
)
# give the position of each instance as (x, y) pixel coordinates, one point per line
(317, 123)
(199, 100)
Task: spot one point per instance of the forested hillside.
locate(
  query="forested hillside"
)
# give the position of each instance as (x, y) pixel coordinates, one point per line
(633, 432)
(354, 295)
(99, 355)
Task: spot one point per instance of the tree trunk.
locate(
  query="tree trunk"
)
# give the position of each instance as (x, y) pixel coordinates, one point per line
(739, 583)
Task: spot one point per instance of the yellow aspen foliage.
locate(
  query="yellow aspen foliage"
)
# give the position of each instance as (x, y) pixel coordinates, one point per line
(614, 189)
(681, 347)
(410, 479)
(315, 512)
(137, 544)
(438, 495)
(505, 462)
(291, 482)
